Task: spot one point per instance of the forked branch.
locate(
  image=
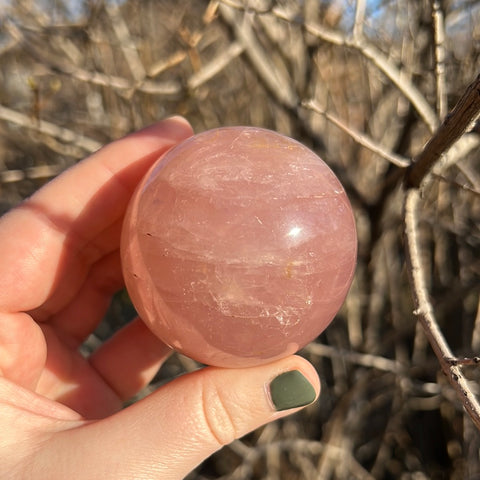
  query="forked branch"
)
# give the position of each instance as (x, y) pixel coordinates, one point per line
(455, 124)
(453, 127)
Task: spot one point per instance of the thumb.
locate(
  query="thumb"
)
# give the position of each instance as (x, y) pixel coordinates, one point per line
(167, 434)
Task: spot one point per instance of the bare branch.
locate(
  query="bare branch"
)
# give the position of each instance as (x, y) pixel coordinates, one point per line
(216, 65)
(278, 85)
(464, 361)
(360, 8)
(32, 173)
(360, 138)
(127, 45)
(439, 34)
(378, 58)
(424, 309)
(47, 128)
(167, 88)
(456, 123)
(363, 359)
(457, 184)
(158, 67)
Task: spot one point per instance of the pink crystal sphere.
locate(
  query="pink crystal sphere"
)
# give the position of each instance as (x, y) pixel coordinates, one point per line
(238, 247)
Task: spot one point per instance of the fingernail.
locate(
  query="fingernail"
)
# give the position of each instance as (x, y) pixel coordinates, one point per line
(291, 390)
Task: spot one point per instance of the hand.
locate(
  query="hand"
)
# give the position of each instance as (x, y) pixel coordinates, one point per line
(61, 414)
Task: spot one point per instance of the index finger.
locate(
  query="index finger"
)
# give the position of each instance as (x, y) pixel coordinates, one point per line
(55, 233)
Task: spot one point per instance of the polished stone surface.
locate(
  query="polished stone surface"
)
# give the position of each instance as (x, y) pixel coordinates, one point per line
(239, 247)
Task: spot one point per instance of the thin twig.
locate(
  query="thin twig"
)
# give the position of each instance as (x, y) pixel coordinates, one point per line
(462, 186)
(360, 8)
(127, 45)
(359, 137)
(463, 361)
(439, 36)
(358, 358)
(167, 88)
(164, 64)
(214, 67)
(47, 128)
(407, 88)
(280, 86)
(31, 173)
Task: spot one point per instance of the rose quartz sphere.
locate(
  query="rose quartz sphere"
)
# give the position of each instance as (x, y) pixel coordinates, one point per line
(238, 247)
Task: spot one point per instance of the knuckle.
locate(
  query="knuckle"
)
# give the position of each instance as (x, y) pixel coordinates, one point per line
(219, 420)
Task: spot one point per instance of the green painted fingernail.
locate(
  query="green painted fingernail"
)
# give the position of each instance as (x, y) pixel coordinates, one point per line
(291, 390)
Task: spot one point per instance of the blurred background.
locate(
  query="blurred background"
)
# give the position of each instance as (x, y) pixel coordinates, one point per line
(364, 83)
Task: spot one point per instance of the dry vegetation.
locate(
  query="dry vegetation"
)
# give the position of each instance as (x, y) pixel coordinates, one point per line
(365, 84)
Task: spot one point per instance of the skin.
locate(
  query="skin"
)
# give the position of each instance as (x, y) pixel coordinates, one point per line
(61, 414)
